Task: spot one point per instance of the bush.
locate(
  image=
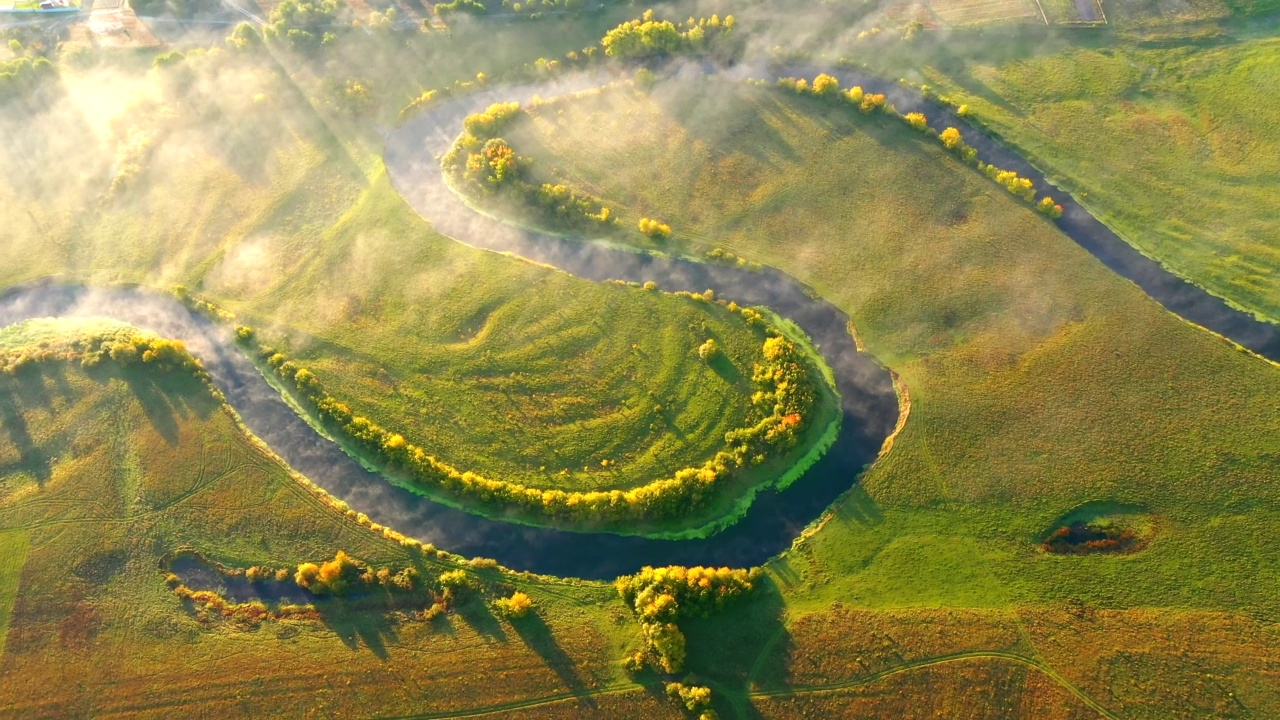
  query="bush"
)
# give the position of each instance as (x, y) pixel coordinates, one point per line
(332, 577)
(1048, 207)
(917, 121)
(695, 698)
(708, 350)
(516, 606)
(654, 229)
(825, 85)
(646, 37)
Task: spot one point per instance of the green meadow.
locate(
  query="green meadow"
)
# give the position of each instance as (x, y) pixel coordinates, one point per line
(1039, 389)
(1169, 140)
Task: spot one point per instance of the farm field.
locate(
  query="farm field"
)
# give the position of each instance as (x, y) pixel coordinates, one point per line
(1071, 519)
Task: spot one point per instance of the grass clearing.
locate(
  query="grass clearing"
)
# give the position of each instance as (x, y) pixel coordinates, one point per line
(1172, 146)
(498, 367)
(121, 493)
(1039, 381)
(13, 556)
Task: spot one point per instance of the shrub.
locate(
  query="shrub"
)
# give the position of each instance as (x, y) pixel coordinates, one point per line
(1048, 207)
(332, 577)
(654, 229)
(516, 606)
(872, 103)
(825, 85)
(695, 698)
(917, 121)
(708, 350)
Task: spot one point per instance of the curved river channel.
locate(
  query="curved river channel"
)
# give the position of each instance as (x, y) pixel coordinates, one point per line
(774, 519)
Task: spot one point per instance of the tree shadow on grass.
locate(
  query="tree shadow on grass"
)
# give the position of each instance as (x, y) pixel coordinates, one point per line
(741, 647)
(857, 506)
(729, 372)
(533, 630)
(29, 393)
(166, 398)
(358, 626)
(475, 613)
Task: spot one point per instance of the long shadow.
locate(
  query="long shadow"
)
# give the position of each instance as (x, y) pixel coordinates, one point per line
(166, 398)
(156, 404)
(356, 626)
(535, 633)
(738, 647)
(30, 392)
(729, 372)
(476, 613)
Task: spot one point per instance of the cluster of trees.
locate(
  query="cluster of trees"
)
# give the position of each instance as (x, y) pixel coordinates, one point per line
(647, 37)
(655, 229)
(785, 397)
(482, 160)
(827, 86)
(569, 205)
(784, 388)
(23, 75)
(344, 574)
(124, 347)
(721, 255)
(493, 120)
(659, 597)
(695, 698)
(516, 606)
(304, 24)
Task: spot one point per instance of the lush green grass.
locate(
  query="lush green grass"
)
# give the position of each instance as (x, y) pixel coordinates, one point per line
(1175, 147)
(1038, 379)
(136, 466)
(496, 366)
(575, 385)
(13, 555)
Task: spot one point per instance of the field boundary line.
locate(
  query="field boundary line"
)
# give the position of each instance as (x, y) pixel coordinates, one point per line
(941, 660)
(522, 704)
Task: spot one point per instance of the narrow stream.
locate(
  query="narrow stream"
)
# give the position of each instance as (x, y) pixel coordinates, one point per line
(776, 517)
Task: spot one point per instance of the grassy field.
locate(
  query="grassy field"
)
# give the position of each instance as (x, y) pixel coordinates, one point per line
(1039, 381)
(498, 367)
(124, 467)
(1172, 143)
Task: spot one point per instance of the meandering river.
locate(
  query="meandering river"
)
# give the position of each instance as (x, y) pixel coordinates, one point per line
(774, 519)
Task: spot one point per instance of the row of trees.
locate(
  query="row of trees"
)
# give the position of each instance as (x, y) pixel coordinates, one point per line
(484, 162)
(783, 391)
(125, 347)
(344, 574)
(646, 37)
(659, 597)
(828, 86)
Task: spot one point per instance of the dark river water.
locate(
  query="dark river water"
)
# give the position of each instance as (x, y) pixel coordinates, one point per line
(774, 519)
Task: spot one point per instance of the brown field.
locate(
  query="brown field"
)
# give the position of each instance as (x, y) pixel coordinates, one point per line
(970, 688)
